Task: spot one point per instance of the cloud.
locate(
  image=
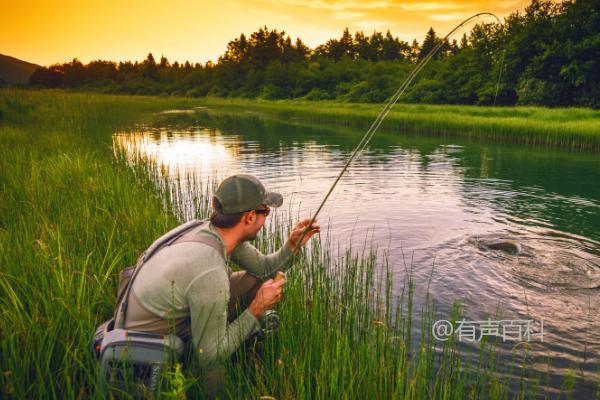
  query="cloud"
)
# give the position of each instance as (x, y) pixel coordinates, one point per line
(454, 16)
(316, 21)
(431, 6)
(343, 15)
(336, 5)
(372, 25)
(272, 15)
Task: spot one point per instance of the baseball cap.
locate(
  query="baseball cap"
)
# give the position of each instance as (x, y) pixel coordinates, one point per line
(241, 192)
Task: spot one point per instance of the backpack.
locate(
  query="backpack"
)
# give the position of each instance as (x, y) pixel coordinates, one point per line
(145, 353)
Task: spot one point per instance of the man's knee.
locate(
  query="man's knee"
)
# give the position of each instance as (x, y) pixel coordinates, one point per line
(213, 380)
(243, 287)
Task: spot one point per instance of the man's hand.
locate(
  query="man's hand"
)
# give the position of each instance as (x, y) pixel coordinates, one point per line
(297, 232)
(267, 296)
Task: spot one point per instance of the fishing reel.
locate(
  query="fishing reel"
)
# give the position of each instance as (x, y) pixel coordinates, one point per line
(269, 324)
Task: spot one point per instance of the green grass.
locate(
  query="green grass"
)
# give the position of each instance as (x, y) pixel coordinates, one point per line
(72, 215)
(70, 218)
(576, 128)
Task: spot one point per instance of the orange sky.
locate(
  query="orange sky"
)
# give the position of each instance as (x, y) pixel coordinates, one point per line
(47, 32)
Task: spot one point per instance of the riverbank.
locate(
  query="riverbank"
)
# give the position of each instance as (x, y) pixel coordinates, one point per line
(574, 128)
(73, 215)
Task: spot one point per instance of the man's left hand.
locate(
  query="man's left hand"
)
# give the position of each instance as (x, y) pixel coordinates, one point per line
(297, 232)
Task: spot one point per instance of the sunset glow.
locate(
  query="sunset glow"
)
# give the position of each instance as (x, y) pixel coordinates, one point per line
(198, 31)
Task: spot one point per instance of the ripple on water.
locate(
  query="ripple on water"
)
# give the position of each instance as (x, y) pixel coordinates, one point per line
(548, 260)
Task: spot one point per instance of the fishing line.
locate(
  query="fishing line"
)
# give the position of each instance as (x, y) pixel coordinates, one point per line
(388, 106)
(499, 76)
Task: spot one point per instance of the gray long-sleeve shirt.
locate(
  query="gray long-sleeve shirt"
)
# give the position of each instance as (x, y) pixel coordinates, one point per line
(191, 280)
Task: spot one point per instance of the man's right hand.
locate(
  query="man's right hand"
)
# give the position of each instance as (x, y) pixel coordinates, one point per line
(267, 296)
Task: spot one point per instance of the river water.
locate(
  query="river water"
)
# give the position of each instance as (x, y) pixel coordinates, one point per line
(430, 202)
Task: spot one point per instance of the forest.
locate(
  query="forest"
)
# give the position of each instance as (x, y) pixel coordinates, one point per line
(547, 55)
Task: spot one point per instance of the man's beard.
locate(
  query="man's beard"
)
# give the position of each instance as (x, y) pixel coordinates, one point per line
(250, 238)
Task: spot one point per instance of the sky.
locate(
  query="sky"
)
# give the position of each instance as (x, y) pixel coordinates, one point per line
(48, 32)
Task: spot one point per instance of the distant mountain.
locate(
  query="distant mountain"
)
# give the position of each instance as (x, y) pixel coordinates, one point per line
(15, 71)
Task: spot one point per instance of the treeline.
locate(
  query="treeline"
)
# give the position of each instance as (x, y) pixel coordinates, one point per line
(548, 55)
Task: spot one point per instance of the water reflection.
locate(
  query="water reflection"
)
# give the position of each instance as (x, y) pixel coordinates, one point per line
(427, 199)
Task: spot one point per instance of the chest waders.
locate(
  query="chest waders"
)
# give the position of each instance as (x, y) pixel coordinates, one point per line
(132, 362)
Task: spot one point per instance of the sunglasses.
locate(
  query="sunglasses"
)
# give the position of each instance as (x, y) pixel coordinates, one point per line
(265, 212)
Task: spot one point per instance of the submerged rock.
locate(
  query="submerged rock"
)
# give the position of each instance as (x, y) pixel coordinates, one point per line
(506, 245)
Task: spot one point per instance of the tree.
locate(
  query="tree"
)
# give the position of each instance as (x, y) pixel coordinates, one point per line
(362, 46)
(415, 50)
(149, 67)
(74, 73)
(237, 50)
(335, 49)
(394, 49)
(302, 51)
(164, 63)
(347, 44)
(431, 40)
(51, 77)
(464, 42)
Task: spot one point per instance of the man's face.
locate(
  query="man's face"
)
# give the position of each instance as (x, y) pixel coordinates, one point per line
(257, 221)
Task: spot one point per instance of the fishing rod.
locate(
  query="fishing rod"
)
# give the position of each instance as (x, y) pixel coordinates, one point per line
(386, 109)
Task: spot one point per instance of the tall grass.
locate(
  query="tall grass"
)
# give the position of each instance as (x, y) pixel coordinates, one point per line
(575, 128)
(72, 215)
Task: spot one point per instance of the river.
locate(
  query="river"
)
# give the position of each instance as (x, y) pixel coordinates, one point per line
(431, 202)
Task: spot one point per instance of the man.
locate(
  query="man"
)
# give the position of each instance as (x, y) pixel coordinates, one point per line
(188, 286)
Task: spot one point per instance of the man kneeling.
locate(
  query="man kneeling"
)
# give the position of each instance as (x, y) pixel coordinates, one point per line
(189, 285)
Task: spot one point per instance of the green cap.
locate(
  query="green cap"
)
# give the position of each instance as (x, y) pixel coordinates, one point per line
(243, 193)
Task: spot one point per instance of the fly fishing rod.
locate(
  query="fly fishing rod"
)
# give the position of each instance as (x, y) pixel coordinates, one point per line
(386, 109)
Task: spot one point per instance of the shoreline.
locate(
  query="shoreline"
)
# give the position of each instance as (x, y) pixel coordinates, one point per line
(572, 128)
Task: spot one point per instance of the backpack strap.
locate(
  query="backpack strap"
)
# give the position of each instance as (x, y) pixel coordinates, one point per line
(176, 235)
(171, 236)
(203, 238)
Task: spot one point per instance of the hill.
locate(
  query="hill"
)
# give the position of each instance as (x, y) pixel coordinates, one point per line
(15, 71)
